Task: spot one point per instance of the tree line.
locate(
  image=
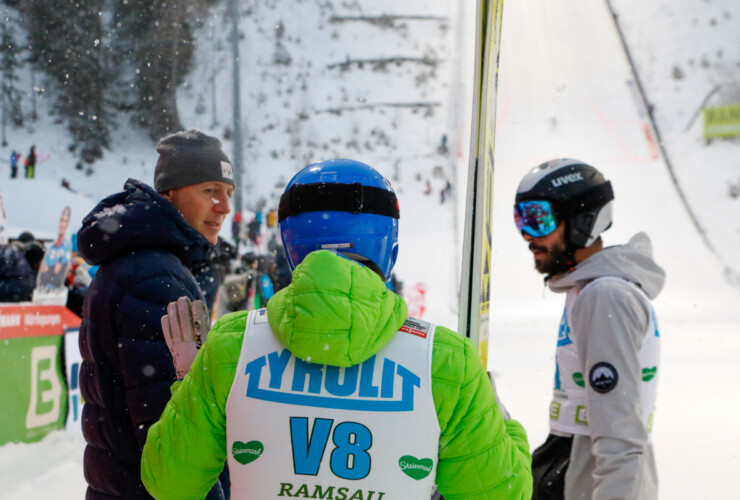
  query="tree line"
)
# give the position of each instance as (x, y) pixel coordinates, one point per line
(100, 58)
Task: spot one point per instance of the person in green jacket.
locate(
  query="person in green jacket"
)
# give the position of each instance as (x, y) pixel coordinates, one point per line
(332, 392)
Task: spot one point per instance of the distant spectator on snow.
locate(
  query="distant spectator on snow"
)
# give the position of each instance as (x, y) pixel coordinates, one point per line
(17, 279)
(66, 185)
(446, 191)
(26, 237)
(77, 282)
(30, 163)
(33, 251)
(272, 218)
(211, 275)
(148, 243)
(428, 188)
(253, 230)
(273, 246)
(236, 228)
(14, 157)
(442, 149)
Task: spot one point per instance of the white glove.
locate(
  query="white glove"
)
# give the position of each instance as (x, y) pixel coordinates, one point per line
(185, 328)
(500, 404)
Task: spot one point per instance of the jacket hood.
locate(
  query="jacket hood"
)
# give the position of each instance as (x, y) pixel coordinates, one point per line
(335, 312)
(633, 262)
(138, 218)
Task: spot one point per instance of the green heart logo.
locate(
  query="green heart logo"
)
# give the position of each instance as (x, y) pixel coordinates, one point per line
(415, 468)
(578, 379)
(649, 373)
(245, 453)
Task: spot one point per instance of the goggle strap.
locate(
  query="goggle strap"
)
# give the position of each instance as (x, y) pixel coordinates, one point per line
(596, 196)
(355, 198)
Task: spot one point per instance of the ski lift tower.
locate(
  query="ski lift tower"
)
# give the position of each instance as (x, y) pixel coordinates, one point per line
(236, 157)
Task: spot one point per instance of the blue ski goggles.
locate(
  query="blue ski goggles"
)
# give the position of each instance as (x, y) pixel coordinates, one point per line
(536, 218)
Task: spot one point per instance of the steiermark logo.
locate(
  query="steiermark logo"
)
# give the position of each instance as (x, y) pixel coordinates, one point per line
(415, 468)
(578, 379)
(649, 373)
(245, 453)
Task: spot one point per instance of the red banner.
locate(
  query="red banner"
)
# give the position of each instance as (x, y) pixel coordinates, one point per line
(17, 320)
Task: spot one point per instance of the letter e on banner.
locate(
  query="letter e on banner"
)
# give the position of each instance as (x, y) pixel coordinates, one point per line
(45, 387)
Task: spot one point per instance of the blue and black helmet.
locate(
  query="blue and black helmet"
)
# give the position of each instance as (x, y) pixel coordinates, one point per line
(341, 205)
(580, 195)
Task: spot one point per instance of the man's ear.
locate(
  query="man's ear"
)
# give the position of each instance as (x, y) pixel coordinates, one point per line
(167, 195)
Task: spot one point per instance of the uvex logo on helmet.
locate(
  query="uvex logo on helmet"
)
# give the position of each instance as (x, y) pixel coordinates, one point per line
(566, 179)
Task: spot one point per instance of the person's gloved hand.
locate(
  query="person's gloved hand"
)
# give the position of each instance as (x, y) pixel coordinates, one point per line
(185, 328)
(500, 404)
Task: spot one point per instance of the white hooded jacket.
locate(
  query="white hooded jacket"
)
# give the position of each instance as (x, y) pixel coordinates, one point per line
(608, 321)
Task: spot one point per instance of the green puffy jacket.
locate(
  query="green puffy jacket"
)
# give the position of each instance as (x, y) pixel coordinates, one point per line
(481, 455)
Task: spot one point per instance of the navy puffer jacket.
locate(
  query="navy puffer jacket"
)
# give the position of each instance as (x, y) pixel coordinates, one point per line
(17, 280)
(147, 252)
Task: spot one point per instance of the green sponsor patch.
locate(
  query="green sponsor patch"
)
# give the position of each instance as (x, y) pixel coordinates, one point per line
(245, 453)
(578, 379)
(649, 373)
(415, 468)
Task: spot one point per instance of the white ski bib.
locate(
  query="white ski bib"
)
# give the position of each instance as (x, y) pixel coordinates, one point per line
(568, 409)
(295, 429)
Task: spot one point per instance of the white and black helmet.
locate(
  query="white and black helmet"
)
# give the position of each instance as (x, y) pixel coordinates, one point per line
(579, 194)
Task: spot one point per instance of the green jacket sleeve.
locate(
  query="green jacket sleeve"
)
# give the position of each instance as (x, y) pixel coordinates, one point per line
(185, 450)
(481, 455)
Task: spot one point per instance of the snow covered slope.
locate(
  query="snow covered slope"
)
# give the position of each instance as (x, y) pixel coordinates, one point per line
(687, 55)
(565, 90)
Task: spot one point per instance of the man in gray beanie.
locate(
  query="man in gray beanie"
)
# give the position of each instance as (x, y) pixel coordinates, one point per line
(187, 161)
(152, 246)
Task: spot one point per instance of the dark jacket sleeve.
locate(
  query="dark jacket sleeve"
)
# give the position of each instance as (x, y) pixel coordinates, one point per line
(145, 361)
(132, 365)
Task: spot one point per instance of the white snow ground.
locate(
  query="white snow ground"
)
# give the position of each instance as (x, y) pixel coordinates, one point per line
(563, 92)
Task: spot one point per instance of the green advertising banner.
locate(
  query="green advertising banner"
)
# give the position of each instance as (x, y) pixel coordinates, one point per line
(33, 391)
(722, 121)
(37, 402)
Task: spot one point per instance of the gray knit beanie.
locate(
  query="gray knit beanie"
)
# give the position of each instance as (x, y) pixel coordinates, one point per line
(188, 158)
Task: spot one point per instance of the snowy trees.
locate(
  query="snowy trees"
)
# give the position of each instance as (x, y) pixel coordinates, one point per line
(65, 43)
(158, 44)
(10, 94)
(102, 58)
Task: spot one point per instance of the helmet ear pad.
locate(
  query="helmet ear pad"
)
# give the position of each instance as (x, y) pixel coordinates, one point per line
(584, 229)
